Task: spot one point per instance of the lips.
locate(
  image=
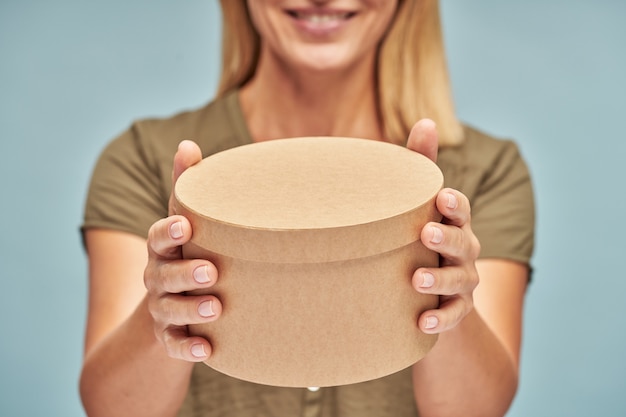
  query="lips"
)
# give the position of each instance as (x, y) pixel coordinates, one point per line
(316, 23)
(320, 17)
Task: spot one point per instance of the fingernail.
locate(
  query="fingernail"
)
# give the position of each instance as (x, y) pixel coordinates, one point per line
(437, 235)
(198, 351)
(201, 275)
(452, 201)
(205, 309)
(176, 230)
(431, 322)
(428, 280)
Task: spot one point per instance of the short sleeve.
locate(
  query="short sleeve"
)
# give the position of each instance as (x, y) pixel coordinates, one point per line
(126, 191)
(131, 182)
(503, 210)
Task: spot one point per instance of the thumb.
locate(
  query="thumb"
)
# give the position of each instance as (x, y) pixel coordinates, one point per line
(188, 154)
(424, 139)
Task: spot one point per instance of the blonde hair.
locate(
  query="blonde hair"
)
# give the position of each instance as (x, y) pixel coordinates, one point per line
(413, 81)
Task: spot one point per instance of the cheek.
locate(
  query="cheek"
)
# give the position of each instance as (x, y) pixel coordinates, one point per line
(383, 18)
(388, 11)
(385, 8)
(266, 22)
(379, 24)
(263, 14)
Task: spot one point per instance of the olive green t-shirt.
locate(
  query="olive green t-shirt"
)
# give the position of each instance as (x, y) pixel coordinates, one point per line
(130, 189)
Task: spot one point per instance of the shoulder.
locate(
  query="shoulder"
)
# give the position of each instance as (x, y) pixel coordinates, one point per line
(480, 160)
(478, 148)
(493, 175)
(152, 142)
(214, 127)
(131, 182)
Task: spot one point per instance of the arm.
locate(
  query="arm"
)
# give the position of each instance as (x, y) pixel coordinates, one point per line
(126, 371)
(138, 357)
(473, 368)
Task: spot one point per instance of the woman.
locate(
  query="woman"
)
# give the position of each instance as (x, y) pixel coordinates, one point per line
(367, 68)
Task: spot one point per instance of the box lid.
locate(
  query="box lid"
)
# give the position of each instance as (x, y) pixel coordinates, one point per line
(312, 199)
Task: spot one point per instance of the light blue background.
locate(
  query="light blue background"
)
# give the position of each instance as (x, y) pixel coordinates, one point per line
(549, 73)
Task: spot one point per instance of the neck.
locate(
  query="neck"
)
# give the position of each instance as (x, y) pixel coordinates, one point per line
(281, 103)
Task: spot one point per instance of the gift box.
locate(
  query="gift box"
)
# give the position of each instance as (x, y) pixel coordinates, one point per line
(315, 241)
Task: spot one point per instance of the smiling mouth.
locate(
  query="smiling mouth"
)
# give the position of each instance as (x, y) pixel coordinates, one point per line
(320, 17)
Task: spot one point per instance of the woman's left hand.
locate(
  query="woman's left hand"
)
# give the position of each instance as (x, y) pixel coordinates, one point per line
(453, 239)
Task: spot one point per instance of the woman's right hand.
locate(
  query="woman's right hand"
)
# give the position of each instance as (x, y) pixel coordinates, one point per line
(168, 276)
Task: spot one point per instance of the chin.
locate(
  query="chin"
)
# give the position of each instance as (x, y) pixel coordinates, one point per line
(321, 66)
(324, 59)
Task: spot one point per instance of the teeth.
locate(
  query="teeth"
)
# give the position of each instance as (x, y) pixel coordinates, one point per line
(321, 18)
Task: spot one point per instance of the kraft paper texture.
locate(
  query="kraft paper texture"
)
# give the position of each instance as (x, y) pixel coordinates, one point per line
(315, 241)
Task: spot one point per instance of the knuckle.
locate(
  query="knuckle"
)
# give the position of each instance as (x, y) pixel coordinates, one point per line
(169, 343)
(463, 243)
(177, 312)
(166, 279)
(466, 245)
(165, 311)
(171, 276)
(148, 278)
(456, 244)
(460, 280)
(155, 305)
(475, 246)
(474, 278)
(147, 281)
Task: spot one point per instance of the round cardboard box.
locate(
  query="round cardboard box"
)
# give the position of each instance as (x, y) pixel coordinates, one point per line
(315, 240)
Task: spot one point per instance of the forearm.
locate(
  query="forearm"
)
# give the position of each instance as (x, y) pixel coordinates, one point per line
(468, 372)
(128, 373)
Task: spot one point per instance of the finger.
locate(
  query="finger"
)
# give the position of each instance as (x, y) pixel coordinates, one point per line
(454, 206)
(449, 280)
(450, 313)
(180, 310)
(167, 235)
(180, 346)
(455, 244)
(178, 276)
(424, 139)
(188, 154)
